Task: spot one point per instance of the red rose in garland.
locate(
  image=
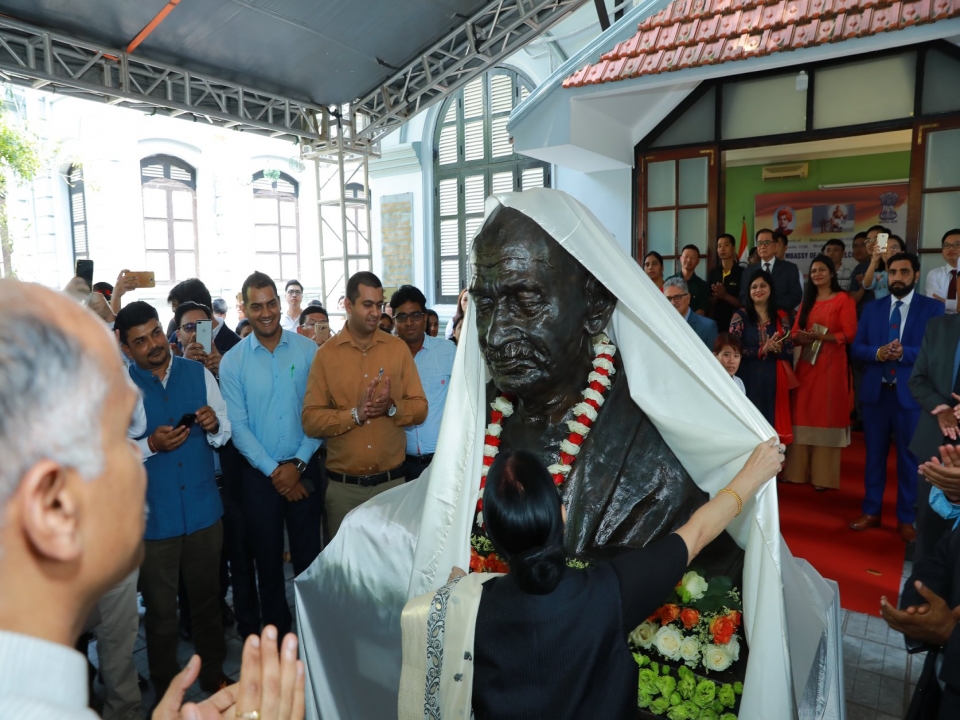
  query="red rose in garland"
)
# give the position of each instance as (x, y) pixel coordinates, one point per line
(669, 613)
(722, 628)
(689, 617)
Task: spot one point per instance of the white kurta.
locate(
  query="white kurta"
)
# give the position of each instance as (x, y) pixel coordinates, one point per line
(403, 543)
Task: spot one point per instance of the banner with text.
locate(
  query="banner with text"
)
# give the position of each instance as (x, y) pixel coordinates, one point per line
(812, 217)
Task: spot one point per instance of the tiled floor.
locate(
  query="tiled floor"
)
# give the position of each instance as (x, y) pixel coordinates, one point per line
(879, 675)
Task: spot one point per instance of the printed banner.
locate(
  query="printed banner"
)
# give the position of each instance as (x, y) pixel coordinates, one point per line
(812, 217)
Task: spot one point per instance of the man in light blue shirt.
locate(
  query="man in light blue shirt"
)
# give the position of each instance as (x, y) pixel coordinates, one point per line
(263, 380)
(434, 358)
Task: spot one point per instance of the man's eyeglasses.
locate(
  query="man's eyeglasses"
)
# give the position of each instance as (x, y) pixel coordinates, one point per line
(409, 317)
(676, 298)
(764, 243)
(188, 327)
(951, 246)
(295, 293)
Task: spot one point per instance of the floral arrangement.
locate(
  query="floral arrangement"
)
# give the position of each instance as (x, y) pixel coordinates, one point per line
(697, 626)
(684, 697)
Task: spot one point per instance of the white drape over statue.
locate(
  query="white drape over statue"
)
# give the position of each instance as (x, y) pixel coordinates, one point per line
(402, 543)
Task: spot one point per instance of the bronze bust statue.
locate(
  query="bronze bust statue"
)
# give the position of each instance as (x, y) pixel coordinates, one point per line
(537, 312)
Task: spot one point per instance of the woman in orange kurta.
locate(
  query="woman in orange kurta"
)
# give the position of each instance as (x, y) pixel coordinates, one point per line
(821, 409)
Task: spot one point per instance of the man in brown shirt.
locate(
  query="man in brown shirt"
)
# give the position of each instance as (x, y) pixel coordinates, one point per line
(363, 389)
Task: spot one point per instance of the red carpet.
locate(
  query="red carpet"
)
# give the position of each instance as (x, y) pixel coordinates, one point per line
(866, 564)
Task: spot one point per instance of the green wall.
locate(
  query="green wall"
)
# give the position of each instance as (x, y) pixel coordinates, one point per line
(744, 183)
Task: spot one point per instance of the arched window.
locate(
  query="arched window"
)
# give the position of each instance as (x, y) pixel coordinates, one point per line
(276, 229)
(169, 217)
(78, 212)
(474, 158)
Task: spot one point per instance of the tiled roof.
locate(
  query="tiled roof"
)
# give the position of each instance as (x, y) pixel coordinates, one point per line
(690, 33)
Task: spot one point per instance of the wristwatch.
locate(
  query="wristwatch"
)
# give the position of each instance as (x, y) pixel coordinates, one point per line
(392, 411)
(300, 465)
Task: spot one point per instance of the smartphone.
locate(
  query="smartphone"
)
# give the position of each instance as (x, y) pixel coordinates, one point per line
(882, 241)
(187, 420)
(204, 334)
(145, 278)
(84, 270)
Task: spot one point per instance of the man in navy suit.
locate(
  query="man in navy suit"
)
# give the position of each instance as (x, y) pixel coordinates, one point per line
(677, 292)
(786, 275)
(888, 340)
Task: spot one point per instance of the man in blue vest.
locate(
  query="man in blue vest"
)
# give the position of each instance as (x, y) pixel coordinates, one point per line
(888, 341)
(186, 419)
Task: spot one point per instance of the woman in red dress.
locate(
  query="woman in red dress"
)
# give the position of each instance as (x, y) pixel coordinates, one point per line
(821, 410)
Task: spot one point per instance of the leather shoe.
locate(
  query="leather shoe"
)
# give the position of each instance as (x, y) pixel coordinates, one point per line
(907, 533)
(865, 521)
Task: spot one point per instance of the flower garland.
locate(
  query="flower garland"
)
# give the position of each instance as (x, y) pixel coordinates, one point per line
(585, 414)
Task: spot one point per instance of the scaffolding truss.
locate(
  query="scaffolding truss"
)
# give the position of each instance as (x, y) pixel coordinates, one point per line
(498, 30)
(33, 57)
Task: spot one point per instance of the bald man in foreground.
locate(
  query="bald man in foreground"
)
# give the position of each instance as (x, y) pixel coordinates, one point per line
(72, 491)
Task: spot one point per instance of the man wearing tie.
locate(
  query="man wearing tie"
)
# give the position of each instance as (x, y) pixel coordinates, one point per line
(786, 275)
(941, 282)
(888, 340)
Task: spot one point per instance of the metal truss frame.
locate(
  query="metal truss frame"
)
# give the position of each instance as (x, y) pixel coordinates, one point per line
(33, 57)
(498, 30)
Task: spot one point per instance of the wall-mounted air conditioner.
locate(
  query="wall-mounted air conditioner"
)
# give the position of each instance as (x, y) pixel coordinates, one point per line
(780, 172)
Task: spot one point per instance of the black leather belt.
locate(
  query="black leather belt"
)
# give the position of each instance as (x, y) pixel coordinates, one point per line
(420, 459)
(367, 480)
(888, 385)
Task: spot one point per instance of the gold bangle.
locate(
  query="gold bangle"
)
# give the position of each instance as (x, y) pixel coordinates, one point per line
(736, 495)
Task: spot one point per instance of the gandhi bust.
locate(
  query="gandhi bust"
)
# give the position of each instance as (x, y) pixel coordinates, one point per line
(537, 312)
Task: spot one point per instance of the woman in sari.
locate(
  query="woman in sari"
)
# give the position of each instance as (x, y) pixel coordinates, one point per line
(827, 321)
(547, 640)
(766, 367)
(653, 267)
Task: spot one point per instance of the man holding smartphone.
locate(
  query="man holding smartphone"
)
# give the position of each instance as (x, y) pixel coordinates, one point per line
(184, 533)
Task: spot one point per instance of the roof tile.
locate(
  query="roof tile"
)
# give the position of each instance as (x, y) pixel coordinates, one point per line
(690, 33)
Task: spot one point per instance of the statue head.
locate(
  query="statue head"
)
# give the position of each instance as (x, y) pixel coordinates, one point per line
(537, 308)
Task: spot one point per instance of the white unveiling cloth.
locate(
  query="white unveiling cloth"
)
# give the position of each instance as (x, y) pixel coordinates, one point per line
(404, 542)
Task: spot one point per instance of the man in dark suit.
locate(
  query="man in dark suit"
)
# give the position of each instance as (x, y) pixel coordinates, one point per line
(929, 620)
(786, 275)
(888, 340)
(677, 292)
(932, 384)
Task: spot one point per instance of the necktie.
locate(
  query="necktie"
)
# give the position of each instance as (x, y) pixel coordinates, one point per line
(766, 267)
(952, 290)
(890, 367)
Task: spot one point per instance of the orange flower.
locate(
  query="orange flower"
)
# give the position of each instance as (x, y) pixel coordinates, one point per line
(669, 613)
(689, 617)
(722, 628)
(736, 617)
(494, 564)
(476, 562)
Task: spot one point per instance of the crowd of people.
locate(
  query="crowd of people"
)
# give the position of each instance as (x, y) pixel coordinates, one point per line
(822, 349)
(255, 448)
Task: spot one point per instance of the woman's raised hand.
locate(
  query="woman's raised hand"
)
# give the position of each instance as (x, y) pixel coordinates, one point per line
(764, 462)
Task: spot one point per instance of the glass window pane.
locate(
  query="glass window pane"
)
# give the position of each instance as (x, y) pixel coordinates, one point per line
(661, 231)
(473, 140)
(669, 267)
(182, 204)
(183, 235)
(940, 212)
(473, 194)
(692, 228)
(288, 213)
(767, 106)
(288, 241)
(865, 91)
(450, 277)
(942, 160)
(155, 234)
(941, 83)
(693, 181)
(159, 263)
(448, 196)
(448, 145)
(662, 184)
(264, 209)
(265, 238)
(288, 266)
(532, 178)
(185, 265)
(696, 125)
(502, 182)
(269, 263)
(154, 202)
